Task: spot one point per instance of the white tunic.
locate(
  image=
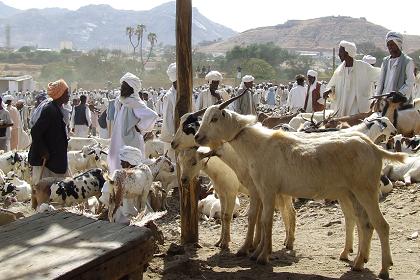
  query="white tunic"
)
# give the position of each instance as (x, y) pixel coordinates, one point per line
(168, 125)
(205, 99)
(129, 111)
(296, 98)
(353, 87)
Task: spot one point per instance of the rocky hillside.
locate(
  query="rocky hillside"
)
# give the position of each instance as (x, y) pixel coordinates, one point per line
(320, 34)
(97, 26)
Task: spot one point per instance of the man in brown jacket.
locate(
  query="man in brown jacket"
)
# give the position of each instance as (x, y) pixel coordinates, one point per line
(313, 100)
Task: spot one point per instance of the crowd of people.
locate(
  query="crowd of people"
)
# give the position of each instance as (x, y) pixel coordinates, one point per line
(127, 114)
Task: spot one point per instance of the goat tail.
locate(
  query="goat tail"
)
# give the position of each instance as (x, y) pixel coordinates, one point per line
(396, 157)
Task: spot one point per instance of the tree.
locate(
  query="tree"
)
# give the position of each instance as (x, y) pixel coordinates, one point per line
(132, 32)
(152, 38)
(138, 33)
(259, 68)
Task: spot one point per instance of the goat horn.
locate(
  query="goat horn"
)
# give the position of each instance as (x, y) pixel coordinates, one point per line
(199, 112)
(227, 102)
(380, 96)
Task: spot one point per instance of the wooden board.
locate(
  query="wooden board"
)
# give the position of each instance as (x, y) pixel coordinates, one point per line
(60, 245)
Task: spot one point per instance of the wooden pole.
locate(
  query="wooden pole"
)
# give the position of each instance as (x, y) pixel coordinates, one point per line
(333, 60)
(188, 194)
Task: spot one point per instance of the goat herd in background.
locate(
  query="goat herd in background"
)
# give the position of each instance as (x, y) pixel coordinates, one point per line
(271, 159)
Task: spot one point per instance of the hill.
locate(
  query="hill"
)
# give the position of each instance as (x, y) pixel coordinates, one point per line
(319, 34)
(99, 26)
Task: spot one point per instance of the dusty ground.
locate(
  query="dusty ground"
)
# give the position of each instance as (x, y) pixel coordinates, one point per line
(319, 241)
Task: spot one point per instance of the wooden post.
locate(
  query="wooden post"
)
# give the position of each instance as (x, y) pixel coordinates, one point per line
(188, 195)
(333, 59)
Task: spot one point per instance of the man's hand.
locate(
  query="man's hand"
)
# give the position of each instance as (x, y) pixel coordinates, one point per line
(45, 157)
(325, 95)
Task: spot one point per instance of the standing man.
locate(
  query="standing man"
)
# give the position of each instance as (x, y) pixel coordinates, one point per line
(14, 116)
(211, 95)
(245, 105)
(49, 136)
(296, 98)
(397, 70)
(5, 126)
(313, 100)
(169, 103)
(352, 82)
(81, 118)
(132, 120)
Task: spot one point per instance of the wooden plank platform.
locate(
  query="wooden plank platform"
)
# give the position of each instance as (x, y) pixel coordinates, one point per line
(62, 245)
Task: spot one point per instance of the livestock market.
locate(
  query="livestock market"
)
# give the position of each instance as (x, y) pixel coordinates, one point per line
(289, 151)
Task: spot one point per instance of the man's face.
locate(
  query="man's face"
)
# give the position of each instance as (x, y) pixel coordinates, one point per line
(393, 49)
(174, 84)
(311, 80)
(126, 90)
(249, 84)
(214, 85)
(342, 54)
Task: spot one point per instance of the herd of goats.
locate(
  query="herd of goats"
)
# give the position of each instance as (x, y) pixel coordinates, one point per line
(272, 159)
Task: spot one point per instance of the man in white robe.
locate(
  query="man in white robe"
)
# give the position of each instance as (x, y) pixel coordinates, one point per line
(245, 105)
(132, 120)
(169, 102)
(352, 82)
(211, 95)
(296, 98)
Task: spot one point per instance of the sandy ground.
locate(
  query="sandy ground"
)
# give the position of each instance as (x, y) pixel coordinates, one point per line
(319, 241)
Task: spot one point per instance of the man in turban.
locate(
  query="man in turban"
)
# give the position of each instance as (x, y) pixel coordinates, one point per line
(14, 116)
(313, 98)
(169, 103)
(81, 118)
(48, 151)
(211, 95)
(397, 70)
(132, 120)
(352, 82)
(5, 126)
(245, 105)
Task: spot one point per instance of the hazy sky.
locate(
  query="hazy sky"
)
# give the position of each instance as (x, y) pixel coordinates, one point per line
(240, 15)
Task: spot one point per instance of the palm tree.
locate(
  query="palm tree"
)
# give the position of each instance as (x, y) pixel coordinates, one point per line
(152, 38)
(140, 29)
(130, 32)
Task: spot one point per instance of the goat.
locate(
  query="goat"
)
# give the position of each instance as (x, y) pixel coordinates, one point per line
(409, 171)
(12, 185)
(77, 143)
(88, 157)
(211, 207)
(9, 159)
(185, 144)
(310, 168)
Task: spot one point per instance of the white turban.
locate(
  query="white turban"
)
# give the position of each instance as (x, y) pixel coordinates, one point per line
(7, 98)
(312, 73)
(396, 37)
(247, 79)
(369, 59)
(349, 47)
(214, 76)
(131, 155)
(171, 72)
(132, 80)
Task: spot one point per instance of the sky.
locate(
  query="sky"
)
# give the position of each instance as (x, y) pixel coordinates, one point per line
(241, 15)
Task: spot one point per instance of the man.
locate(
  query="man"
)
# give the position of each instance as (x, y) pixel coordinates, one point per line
(132, 120)
(48, 151)
(282, 93)
(14, 116)
(397, 70)
(245, 105)
(211, 95)
(169, 102)
(352, 82)
(5, 126)
(81, 118)
(313, 100)
(296, 98)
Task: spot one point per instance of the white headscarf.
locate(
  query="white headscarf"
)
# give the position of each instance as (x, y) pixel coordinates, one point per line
(247, 78)
(312, 73)
(349, 47)
(131, 155)
(132, 80)
(7, 98)
(213, 76)
(369, 59)
(171, 72)
(396, 37)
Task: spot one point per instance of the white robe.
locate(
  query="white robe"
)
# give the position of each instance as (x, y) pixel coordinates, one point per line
(168, 125)
(296, 98)
(353, 87)
(143, 117)
(205, 99)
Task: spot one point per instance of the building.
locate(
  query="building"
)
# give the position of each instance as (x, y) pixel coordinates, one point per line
(68, 45)
(16, 84)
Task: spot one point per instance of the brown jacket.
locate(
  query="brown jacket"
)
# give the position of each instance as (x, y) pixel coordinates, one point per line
(316, 94)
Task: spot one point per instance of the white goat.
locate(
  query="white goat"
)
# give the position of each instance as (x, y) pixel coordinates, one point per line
(409, 171)
(10, 184)
(211, 207)
(77, 143)
(317, 168)
(88, 157)
(297, 121)
(153, 148)
(193, 161)
(374, 128)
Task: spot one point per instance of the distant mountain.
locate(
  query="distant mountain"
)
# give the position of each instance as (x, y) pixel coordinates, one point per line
(99, 26)
(319, 34)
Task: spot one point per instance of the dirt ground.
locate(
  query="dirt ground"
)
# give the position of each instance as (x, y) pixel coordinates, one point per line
(319, 241)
